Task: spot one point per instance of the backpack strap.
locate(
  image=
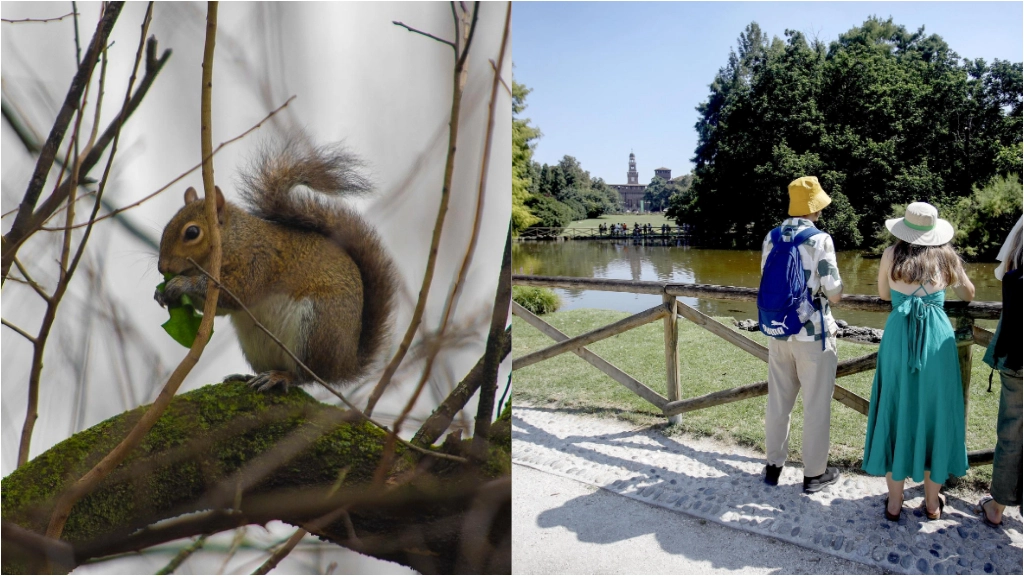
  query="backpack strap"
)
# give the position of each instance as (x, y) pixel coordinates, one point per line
(804, 234)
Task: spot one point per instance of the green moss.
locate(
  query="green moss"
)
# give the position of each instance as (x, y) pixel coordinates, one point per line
(204, 435)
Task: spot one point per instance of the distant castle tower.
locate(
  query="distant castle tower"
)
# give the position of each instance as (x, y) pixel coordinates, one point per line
(663, 173)
(631, 194)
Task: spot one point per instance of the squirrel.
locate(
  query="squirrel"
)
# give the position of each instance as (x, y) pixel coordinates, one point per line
(308, 268)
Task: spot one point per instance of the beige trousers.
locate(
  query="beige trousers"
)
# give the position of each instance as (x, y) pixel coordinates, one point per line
(795, 366)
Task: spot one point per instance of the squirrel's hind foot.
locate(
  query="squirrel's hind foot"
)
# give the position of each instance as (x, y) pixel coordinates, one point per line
(238, 377)
(271, 379)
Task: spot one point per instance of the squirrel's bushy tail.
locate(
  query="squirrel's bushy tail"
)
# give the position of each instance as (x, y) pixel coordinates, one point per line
(268, 189)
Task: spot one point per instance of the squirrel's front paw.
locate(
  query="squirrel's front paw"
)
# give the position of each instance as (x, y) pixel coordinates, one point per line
(174, 289)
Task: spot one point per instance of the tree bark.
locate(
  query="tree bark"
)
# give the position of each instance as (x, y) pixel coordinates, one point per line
(208, 437)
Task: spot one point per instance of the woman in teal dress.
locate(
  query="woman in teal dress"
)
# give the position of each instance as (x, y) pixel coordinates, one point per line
(916, 417)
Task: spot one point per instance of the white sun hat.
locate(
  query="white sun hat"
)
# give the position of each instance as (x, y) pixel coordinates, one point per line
(921, 225)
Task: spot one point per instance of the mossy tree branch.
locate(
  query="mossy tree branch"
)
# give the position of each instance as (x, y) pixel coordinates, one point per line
(208, 435)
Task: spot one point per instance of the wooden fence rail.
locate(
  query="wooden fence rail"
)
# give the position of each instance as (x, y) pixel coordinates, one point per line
(671, 310)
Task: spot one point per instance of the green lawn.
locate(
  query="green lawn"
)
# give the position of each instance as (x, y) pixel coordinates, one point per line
(652, 219)
(709, 364)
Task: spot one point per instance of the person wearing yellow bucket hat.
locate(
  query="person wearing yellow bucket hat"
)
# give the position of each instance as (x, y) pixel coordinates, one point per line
(800, 277)
(916, 415)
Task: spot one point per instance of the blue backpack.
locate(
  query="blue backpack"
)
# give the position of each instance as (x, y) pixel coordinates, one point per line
(783, 287)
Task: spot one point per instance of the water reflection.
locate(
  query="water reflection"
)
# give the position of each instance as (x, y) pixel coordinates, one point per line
(623, 260)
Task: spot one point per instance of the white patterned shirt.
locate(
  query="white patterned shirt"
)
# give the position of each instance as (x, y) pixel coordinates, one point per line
(818, 256)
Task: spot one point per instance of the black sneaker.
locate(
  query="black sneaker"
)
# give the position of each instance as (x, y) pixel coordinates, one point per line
(815, 483)
(771, 474)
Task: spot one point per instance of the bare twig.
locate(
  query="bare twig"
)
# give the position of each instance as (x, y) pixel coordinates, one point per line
(92, 478)
(67, 272)
(25, 334)
(16, 237)
(28, 280)
(182, 556)
(40, 20)
(78, 43)
(431, 36)
(60, 125)
(453, 299)
(489, 382)
(281, 552)
(180, 176)
(434, 426)
(47, 550)
(428, 275)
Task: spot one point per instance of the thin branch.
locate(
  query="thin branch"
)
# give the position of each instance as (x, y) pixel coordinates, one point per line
(60, 125)
(313, 375)
(78, 43)
(469, 39)
(50, 315)
(47, 550)
(180, 176)
(88, 482)
(281, 552)
(16, 237)
(489, 382)
(484, 165)
(182, 556)
(503, 83)
(25, 334)
(39, 20)
(431, 36)
(439, 421)
(28, 280)
(428, 275)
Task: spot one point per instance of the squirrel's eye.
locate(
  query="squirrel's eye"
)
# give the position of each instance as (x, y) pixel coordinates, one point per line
(192, 232)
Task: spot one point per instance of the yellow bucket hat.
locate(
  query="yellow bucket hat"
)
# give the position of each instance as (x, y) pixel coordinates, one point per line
(806, 196)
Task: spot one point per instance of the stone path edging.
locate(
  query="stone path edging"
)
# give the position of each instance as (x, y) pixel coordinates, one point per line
(695, 477)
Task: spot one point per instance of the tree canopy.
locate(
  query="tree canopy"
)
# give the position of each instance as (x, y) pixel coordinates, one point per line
(883, 116)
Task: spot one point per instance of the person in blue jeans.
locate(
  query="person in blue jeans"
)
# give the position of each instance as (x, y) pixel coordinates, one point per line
(1004, 355)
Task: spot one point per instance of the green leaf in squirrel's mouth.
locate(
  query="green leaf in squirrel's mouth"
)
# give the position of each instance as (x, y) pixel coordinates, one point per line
(183, 324)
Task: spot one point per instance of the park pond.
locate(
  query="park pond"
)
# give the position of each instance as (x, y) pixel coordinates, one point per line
(624, 260)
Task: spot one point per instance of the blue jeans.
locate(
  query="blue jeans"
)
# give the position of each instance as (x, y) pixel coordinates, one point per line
(1006, 467)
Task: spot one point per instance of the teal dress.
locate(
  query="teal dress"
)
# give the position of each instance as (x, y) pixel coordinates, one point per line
(916, 417)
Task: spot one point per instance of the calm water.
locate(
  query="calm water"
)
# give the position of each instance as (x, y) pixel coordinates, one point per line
(625, 261)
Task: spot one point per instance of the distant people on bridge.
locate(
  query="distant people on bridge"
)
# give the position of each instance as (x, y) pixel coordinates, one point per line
(916, 421)
(802, 350)
(1004, 355)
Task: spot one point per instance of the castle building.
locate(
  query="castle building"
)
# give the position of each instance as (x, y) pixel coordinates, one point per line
(632, 193)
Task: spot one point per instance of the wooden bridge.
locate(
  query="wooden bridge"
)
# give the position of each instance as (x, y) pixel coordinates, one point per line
(669, 234)
(671, 310)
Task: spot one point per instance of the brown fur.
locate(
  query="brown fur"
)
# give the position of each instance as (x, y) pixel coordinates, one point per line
(300, 245)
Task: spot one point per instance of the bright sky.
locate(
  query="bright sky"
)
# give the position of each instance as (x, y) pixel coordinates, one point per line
(610, 77)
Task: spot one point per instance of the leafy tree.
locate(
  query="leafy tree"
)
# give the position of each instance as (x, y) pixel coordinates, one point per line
(550, 212)
(882, 116)
(522, 151)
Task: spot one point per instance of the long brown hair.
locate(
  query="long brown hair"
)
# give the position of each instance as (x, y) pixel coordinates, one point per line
(916, 264)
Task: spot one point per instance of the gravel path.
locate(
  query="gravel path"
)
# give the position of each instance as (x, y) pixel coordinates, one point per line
(722, 484)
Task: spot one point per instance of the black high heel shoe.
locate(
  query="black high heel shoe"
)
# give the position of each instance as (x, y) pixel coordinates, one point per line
(892, 517)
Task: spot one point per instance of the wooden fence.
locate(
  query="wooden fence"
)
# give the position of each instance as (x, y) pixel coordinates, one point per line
(671, 233)
(674, 405)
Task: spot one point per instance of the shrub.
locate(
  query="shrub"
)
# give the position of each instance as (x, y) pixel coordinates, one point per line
(537, 300)
(982, 220)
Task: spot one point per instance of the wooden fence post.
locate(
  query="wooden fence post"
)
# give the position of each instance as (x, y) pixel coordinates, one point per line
(964, 352)
(672, 354)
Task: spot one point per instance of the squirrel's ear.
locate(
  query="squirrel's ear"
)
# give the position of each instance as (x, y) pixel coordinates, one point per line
(191, 195)
(220, 204)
